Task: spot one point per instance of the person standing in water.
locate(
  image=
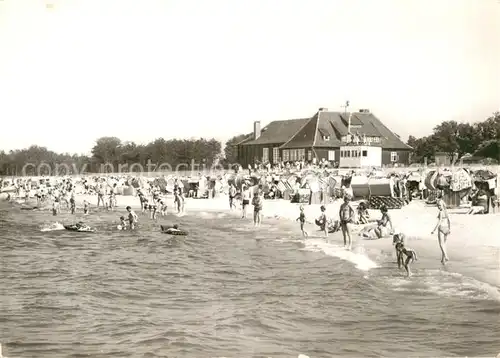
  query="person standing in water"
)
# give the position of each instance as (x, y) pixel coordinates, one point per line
(245, 196)
(322, 221)
(86, 207)
(132, 218)
(346, 216)
(72, 202)
(257, 208)
(232, 195)
(302, 220)
(410, 254)
(443, 227)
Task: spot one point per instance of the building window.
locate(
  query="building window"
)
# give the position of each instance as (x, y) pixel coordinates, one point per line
(365, 153)
(265, 155)
(276, 155)
(286, 155)
(394, 157)
(331, 155)
(309, 155)
(326, 137)
(301, 154)
(376, 139)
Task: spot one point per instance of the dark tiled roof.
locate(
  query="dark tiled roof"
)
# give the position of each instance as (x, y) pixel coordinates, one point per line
(279, 131)
(389, 140)
(304, 138)
(309, 132)
(247, 138)
(326, 123)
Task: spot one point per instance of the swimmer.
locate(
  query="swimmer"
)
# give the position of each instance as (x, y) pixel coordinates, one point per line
(132, 218)
(410, 254)
(302, 219)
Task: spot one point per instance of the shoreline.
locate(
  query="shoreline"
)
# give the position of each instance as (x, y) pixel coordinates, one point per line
(471, 245)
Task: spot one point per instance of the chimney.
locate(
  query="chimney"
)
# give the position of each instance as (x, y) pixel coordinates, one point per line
(364, 110)
(322, 109)
(256, 129)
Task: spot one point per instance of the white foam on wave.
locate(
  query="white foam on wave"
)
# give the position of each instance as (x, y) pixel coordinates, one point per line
(52, 227)
(356, 256)
(444, 283)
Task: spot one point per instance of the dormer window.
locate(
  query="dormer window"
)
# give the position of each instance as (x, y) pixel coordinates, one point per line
(324, 134)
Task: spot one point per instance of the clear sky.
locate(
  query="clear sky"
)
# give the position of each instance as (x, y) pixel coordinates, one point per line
(74, 70)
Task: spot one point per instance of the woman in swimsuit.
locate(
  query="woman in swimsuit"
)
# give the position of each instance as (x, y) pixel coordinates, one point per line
(443, 227)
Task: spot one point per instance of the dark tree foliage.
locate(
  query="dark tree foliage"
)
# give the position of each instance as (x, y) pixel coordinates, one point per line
(112, 154)
(457, 139)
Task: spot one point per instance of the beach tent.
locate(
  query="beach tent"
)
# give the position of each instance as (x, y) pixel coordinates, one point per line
(460, 180)
(460, 183)
(360, 186)
(379, 187)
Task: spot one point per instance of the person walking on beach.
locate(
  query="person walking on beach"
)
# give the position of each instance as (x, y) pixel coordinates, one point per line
(443, 227)
(245, 196)
(346, 217)
(302, 220)
(257, 202)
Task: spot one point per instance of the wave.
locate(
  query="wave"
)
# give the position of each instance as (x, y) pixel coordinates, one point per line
(358, 256)
(444, 283)
(52, 227)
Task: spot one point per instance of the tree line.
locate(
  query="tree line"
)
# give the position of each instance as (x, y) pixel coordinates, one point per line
(457, 139)
(110, 154)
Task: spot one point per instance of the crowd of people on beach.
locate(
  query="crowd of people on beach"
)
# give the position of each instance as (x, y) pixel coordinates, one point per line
(153, 201)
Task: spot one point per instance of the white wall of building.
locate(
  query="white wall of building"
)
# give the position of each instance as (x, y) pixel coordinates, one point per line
(360, 156)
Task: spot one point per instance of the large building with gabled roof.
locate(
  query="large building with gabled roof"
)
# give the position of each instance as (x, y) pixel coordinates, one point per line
(320, 137)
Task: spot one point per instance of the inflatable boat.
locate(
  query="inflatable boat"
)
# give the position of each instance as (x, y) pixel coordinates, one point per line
(79, 228)
(172, 231)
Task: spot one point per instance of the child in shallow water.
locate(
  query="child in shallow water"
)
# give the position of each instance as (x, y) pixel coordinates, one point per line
(302, 219)
(410, 254)
(123, 223)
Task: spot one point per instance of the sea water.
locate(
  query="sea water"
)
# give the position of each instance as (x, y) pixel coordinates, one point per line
(228, 290)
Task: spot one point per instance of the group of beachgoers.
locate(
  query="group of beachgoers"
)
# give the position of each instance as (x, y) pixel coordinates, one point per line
(384, 227)
(153, 201)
